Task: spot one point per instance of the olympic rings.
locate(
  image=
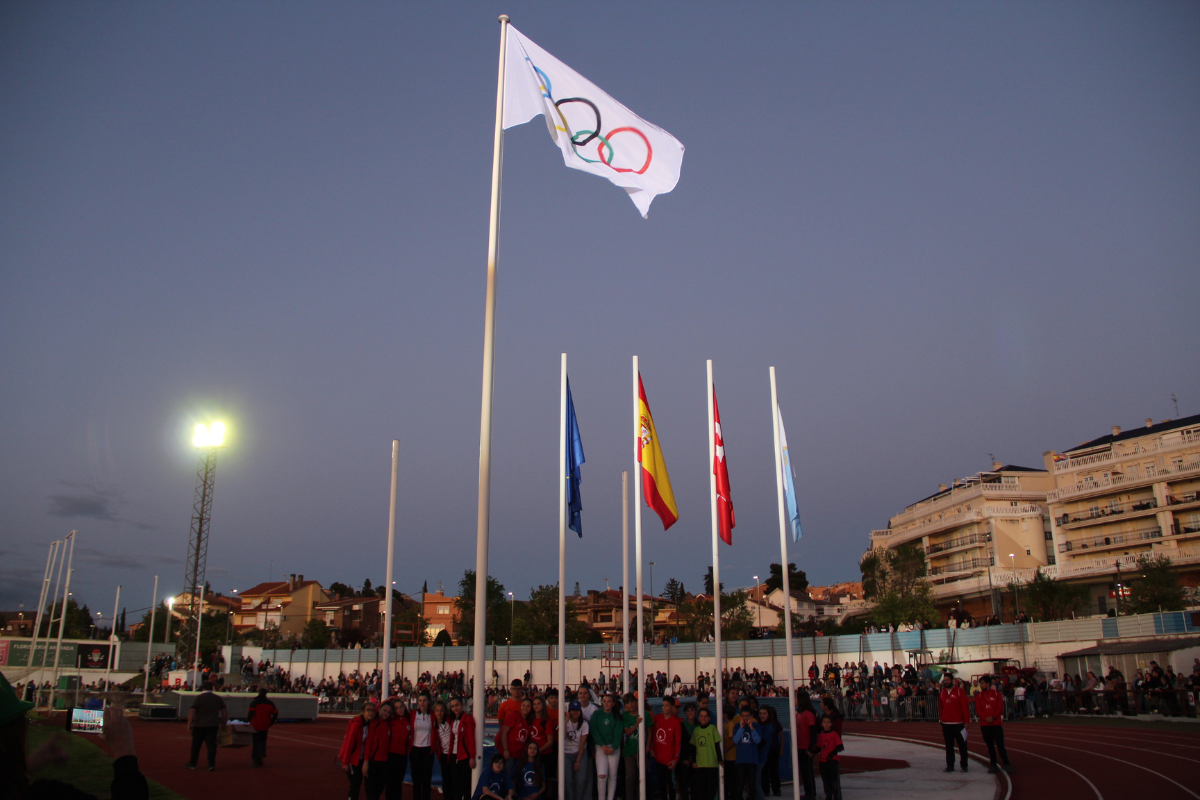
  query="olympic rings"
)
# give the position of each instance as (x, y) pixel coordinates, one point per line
(649, 151)
(595, 111)
(589, 135)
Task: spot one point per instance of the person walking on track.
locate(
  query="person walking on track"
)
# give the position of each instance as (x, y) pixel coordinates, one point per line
(954, 712)
(263, 714)
(206, 716)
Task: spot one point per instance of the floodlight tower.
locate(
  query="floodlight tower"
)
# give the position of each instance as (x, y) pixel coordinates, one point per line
(208, 439)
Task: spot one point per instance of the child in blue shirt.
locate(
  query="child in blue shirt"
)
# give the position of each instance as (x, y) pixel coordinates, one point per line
(494, 783)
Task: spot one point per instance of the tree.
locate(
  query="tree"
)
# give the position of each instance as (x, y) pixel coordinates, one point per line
(1155, 587)
(1050, 599)
(465, 602)
(674, 591)
(316, 635)
(895, 581)
(340, 590)
(696, 622)
(367, 589)
(537, 620)
(160, 625)
(708, 583)
(797, 580)
(442, 639)
(78, 624)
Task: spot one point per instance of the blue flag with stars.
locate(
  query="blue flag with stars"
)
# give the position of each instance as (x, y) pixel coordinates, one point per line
(574, 462)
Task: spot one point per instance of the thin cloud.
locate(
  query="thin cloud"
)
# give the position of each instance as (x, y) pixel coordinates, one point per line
(92, 503)
(106, 558)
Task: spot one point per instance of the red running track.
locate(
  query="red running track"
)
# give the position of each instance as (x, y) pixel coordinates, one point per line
(1080, 762)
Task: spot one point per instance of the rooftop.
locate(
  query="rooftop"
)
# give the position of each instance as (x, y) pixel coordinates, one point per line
(1134, 433)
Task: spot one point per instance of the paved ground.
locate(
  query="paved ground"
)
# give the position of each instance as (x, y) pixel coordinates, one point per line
(1080, 762)
(1066, 762)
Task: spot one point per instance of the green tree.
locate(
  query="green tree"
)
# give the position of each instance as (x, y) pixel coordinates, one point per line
(797, 580)
(895, 581)
(497, 614)
(1155, 586)
(1049, 599)
(340, 590)
(674, 591)
(316, 635)
(737, 619)
(367, 588)
(537, 620)
(78, 623)
(160, 625)
(708, 584)
(442, 639)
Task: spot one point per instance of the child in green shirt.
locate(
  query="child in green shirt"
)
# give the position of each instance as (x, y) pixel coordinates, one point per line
(706, 739)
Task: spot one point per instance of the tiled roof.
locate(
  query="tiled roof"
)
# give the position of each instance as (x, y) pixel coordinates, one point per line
(1133, 433)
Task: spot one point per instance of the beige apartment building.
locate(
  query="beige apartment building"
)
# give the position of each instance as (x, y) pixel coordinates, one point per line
(283, 606)
(1123, 495)
(976, 531)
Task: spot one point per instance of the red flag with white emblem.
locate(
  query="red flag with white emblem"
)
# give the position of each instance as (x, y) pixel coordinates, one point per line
(725, 518)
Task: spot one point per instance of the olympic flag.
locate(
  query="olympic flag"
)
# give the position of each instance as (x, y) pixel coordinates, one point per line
(595, 133)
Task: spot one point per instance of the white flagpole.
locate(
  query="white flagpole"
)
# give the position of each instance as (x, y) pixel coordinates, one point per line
(150, 642)
(42, 598)
(637, 549)
(391, 549)
(716, 565)
(112, 644)
(787, 592)
(625, 574)
(62, 616)
(478, 704)
(196, 659)
(562, 574)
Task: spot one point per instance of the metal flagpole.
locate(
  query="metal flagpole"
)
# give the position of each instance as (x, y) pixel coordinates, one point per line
(62, 615)
(391, 549)
(562, 573)
(637, 554)
(196, 659)
(150, 642)
(112, 642)
(625, 574)
(716, 565)
(42, 598)
(787, 592)
(478, 706)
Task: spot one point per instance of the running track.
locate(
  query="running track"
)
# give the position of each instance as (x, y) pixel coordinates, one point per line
(1080, 762)
(1067, 762)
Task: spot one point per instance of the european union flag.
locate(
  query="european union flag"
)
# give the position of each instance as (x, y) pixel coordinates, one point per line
(574, 462)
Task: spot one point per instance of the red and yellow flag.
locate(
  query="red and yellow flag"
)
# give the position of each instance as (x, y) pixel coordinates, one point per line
(656, 483)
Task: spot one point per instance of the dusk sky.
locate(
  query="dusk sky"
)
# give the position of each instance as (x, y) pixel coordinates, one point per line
(955, 229)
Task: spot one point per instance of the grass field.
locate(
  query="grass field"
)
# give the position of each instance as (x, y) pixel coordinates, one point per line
(88, 767)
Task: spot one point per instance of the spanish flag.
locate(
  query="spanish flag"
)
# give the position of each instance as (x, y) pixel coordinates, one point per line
(656, 483)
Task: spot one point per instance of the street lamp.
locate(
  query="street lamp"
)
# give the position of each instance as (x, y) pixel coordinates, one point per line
(208, 439)
(758, 605)
(651, 602)
(1117, 564)
(229, 620)
(170, 613)
(1016, 588)
(512, 615)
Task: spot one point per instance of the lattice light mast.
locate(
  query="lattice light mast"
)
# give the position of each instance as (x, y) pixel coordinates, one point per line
(209, 439)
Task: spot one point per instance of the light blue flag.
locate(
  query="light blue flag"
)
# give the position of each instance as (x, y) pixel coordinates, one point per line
(574, 462)
(789, 481)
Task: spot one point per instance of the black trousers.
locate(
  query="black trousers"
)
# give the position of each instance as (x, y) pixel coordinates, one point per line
(663, 777)
(632, 780)
(747, 780)
(397, 764)
(806, 774)
(420, 759)
(449, 790)
(704, 783)
(355, 775)
(377, 779)
(731, 781)
(952, 735)
(993, 737)
(770, 775)
(683, 781)
(460, 769)
(258, 746)
(831, 780)
(208, 738)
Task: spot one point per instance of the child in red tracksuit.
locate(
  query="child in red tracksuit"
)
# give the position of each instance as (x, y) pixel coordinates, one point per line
(829, 744)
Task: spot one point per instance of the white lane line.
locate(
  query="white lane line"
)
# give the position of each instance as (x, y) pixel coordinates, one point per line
(305, 741)
(1123, 761)
(1106, 744)
(1114, 732)
(1064, 766)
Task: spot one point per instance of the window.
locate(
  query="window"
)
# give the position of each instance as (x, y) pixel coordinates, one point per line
(328, 617)
(1008, 480)
(1049, 535)
(1151, 470)
(1012, 503)
(1114, 506)
(1027, 552)
(1050, 558)
(605, 617)
(1094, 511)
(443, 609)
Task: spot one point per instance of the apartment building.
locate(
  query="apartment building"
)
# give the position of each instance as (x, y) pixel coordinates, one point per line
(1126, 494)
(990, 522)
(441, 614)
(286, 606)
(601, 611)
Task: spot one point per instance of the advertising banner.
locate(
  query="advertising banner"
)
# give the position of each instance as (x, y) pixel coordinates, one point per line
(17, 653)
(93, 656)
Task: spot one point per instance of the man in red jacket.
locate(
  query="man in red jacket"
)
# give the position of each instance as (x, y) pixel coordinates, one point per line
(263, 714)
(989, 707)
(954, 711)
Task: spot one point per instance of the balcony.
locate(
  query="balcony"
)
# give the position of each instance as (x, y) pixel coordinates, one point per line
(1099, 514)
(1166, 473)
(954, 544)
(1185, 528)
(960, 492)
(966, 565)
(1123, 450)
(1115, 540)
